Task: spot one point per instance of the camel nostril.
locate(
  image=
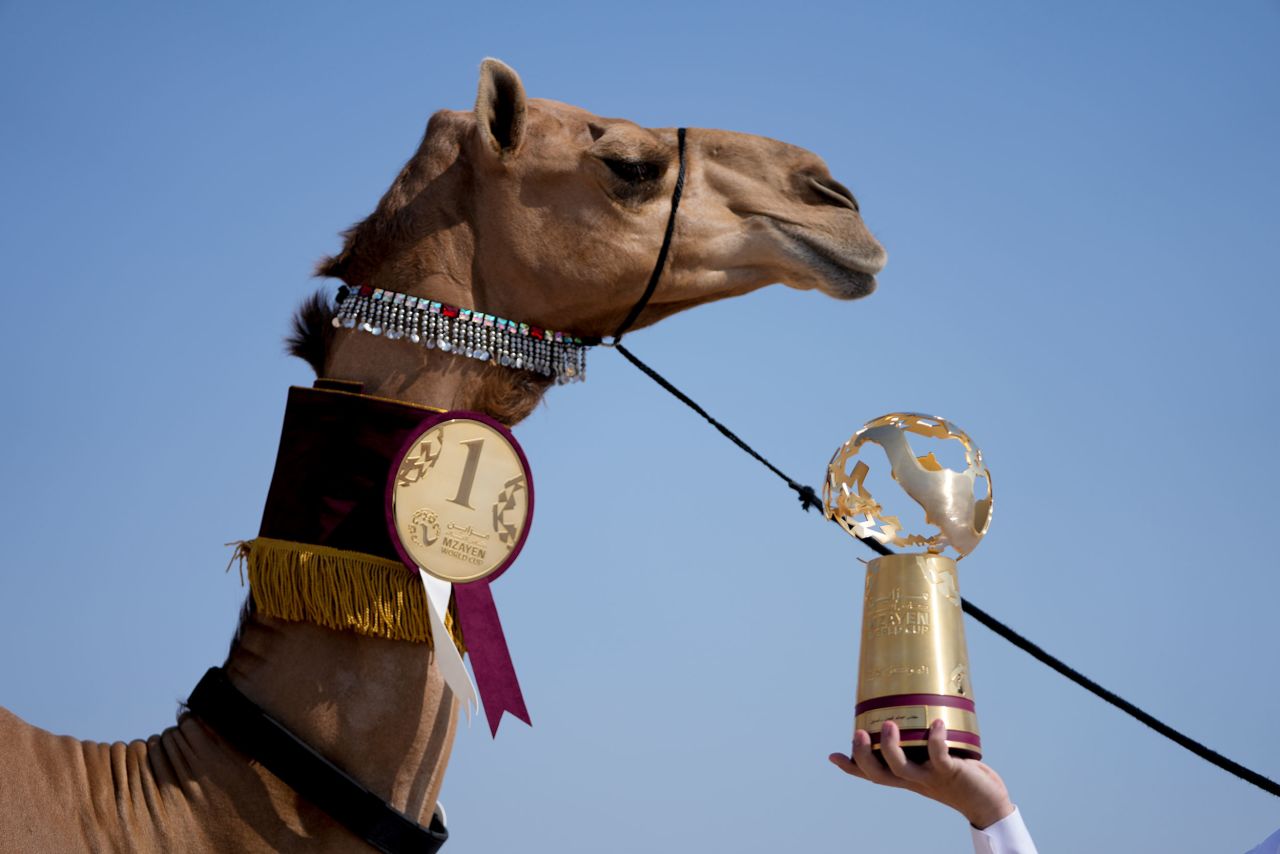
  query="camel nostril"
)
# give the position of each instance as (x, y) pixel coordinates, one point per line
(833, 191)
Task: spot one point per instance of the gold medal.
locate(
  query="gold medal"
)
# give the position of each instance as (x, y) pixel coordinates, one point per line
(461, 498)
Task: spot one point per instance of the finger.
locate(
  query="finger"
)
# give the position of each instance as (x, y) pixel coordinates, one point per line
(891, 747)
(845, 764)
(939, 755)
(864, 757)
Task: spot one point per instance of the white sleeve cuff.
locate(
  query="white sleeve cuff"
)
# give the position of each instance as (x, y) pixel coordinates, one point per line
(1270, 845)
(1007, 836)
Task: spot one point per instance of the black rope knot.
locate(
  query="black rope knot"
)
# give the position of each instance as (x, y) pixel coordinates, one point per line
(808, 498)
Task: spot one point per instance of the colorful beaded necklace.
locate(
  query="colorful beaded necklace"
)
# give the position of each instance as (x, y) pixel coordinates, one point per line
(463, 332)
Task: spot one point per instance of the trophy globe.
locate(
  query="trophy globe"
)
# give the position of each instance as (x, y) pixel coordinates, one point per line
(913, 665)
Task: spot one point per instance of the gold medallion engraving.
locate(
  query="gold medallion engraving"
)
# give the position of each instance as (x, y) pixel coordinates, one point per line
(424, 527)
(419, 461)
(460, 500)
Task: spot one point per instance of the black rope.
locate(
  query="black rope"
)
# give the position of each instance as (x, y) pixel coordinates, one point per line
(809, 498)
(1267, 785)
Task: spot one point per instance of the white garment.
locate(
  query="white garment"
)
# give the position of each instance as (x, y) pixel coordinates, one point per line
(1270, 845)
(1007, 836)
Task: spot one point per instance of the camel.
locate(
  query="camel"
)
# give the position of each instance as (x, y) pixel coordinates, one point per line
(524, 208)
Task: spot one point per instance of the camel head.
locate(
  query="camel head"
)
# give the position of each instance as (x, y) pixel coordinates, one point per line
(545, 212)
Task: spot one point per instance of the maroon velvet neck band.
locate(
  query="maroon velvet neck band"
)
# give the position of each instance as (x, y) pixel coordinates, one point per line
(336, 447)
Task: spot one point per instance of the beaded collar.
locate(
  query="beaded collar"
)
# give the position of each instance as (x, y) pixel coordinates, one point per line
(463, 332)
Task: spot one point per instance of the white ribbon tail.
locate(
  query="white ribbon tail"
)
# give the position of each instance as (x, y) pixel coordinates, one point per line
(447, 656)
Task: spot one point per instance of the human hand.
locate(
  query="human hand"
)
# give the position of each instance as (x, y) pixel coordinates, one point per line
(966, 785)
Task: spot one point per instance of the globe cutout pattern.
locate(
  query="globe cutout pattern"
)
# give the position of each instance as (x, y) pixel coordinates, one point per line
(957, 504)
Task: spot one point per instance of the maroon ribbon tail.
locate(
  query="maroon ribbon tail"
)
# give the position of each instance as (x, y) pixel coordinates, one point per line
(490, 659)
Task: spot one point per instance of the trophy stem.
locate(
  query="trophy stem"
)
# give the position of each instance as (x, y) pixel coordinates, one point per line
(914, 664)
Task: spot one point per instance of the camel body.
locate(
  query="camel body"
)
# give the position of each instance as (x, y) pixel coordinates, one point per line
(187, 790)
(528, 209)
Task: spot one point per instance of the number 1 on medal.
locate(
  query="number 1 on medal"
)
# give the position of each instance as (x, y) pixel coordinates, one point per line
(463, 498)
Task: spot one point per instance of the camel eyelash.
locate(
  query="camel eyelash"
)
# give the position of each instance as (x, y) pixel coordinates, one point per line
(635, 171)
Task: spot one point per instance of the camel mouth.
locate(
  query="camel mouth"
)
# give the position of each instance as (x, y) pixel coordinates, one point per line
(845, 273)
(856, 286)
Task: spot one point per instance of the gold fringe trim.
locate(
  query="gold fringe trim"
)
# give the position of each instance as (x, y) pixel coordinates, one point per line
(339, 590)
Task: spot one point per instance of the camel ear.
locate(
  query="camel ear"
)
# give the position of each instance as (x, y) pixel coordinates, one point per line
(500, 107)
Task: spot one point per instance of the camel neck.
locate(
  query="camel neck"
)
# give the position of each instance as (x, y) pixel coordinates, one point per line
(408, 372)
(404, 371)
(374, 707)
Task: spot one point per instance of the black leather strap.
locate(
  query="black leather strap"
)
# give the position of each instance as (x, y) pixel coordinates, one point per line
(250, 730)
(656, 275)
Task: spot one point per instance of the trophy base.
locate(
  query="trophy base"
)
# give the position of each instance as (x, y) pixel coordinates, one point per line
(915, 744)
(913, 713)
(920, 754)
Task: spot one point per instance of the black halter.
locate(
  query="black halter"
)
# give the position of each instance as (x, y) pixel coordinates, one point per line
(665, 250)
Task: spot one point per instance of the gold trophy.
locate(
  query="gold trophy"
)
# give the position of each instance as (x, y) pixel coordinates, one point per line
(914, 665)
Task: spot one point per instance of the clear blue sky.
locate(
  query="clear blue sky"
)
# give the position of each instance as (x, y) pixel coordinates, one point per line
(1079, 204)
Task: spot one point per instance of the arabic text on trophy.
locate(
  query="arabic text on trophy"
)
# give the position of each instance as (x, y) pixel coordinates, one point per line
(914, 665)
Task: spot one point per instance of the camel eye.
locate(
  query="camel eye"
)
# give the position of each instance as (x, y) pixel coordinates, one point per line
(635, 171)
